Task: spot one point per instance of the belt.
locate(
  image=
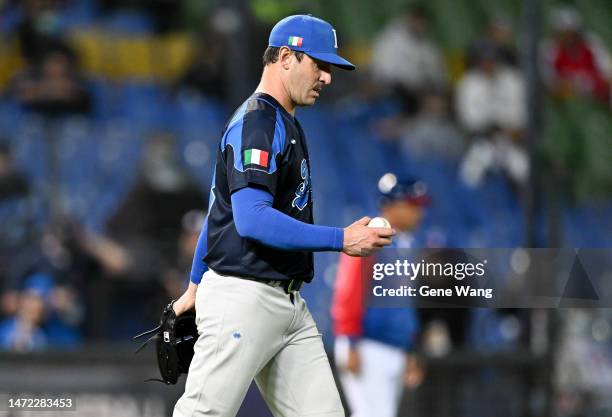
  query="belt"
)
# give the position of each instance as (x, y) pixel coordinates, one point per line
(288, 285)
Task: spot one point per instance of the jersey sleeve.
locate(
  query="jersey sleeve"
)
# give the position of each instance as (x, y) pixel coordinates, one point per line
(251, 149)
(198, 266)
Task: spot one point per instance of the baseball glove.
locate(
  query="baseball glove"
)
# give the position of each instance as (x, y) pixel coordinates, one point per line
(174, 341)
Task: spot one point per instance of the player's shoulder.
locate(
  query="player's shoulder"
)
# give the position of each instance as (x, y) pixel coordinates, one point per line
(256, 112)
(257, 117)
(260, 105)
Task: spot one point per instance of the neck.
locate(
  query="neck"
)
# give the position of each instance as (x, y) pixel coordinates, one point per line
(272, 84)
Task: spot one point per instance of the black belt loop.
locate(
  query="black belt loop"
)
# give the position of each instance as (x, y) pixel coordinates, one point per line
(292, 285)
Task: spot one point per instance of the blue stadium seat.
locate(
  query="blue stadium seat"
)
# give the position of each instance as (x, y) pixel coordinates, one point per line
(198, 125)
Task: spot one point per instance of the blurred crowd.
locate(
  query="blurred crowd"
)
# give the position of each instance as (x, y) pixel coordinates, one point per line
(481, 117)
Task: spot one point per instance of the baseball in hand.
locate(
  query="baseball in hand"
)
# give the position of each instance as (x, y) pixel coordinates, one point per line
(379, 222)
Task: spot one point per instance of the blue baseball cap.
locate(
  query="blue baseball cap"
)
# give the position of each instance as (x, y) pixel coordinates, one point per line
(313, 36)
(391, 188)
(40, 284)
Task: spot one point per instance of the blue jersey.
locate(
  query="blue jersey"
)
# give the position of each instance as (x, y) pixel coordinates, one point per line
(262, 146)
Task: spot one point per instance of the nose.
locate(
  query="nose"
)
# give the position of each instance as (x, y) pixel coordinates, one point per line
(325, 77)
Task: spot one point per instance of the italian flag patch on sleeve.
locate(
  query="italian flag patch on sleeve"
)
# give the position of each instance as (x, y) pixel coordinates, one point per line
(256, 157)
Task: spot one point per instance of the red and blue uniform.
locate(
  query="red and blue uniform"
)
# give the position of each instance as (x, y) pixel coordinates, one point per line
(353, 317)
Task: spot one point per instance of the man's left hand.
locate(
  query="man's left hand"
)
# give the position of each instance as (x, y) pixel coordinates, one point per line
(186, 301)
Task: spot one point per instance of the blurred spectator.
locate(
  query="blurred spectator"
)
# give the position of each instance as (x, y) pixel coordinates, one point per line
(9, 300)
(67, 313)
(53, 85)
(432, 131)
(490, 104)
(23, 332)
(206, 74)
(148, 236)
(405, 59)
(12, 182)
(583, 369)
(490, 96)
(499, 33)
(15, 207)
(45, 315)
(577, 62)
(78, 255)
(40, 28)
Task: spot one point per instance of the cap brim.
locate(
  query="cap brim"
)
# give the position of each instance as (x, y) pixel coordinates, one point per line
(333, 59)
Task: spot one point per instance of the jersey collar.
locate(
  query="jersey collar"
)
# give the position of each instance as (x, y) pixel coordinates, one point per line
(267, 97)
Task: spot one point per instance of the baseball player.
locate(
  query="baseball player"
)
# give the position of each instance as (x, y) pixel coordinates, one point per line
(373, 346)
(257, 243)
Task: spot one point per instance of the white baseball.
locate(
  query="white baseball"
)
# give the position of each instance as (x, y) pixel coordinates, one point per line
(379, 222)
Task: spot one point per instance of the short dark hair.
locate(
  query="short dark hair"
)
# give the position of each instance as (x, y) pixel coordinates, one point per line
(418, 10)
(270, 56)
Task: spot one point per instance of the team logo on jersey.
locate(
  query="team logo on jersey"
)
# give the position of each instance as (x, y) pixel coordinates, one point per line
(256, 157)
(303, 191)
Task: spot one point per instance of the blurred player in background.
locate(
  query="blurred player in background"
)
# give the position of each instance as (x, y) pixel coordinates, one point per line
(373, 347)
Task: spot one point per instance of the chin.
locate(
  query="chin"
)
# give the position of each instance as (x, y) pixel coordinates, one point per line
(308, 102)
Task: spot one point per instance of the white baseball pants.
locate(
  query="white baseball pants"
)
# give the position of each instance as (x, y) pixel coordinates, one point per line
(252, 330)
(377, 390)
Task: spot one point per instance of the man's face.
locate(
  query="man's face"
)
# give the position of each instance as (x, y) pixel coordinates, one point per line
(488, 66)
(306, 79)
(31, 308)
(403, 215)
(417, 24)
(56, 66)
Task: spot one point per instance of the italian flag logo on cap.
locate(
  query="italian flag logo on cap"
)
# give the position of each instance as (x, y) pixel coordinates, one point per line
(295, 41)
(256, 157)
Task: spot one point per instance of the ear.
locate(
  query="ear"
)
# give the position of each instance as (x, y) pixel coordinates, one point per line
(285, 57)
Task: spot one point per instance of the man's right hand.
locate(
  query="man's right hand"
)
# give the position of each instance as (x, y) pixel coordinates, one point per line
(361, 240)
(353, 364)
